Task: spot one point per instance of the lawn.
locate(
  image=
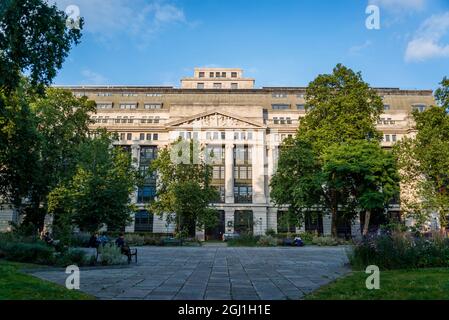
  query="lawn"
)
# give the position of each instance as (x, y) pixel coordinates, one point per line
(16, 285)
(422, 284)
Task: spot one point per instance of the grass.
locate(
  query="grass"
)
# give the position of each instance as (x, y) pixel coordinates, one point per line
(419, 284)
(16, 285)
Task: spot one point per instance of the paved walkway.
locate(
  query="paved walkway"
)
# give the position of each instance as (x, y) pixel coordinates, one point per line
(214, 273)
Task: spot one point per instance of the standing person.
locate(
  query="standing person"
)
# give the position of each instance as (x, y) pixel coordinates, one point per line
(93, 241)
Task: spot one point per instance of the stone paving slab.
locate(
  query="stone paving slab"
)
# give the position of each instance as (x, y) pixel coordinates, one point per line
(213, 273)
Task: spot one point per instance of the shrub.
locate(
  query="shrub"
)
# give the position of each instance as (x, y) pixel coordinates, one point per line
(80, 239)
(134, 239)
(73, 257)
(307, 236)
(246, 240)
(325, 241)
(267, 241)
(150, 240)
(110, 254)
(400, 250)
(38, 252)
(270, 232)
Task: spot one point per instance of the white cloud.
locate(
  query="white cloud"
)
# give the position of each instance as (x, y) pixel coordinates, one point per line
(426, 43)
(94, 78)
(358, 48)
(136, 18)
(400, 5)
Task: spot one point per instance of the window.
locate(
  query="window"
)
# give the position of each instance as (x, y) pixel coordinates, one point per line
(128, 106)
(234, 86)
(211, 75)
(217, 85)
(156, 119)
(104, 94)
(217, 74)
(154, 95)
(279, 95)
(104, 105)
(155, 136)
(218, 173)
(387, 138)
(223, 74)
(280, 106)
(143, 221)
(129, 136)
(149, 136)
(200, 85)
(142, 136)
(393, 138)
(122, 136)
(281, 120)
(419, 107)
(201, 74)
(275, 120)
(128, 94)
(233, 74)
(152, 106)
(243, 194)
(300, 96)
(146, 194)
(301, 107)
(387, 107)
(288, 120)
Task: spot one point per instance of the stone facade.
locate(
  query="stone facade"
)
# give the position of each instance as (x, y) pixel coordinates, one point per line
(247, 124)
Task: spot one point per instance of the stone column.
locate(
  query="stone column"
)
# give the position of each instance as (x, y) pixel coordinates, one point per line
(258, 167)
(229, 171)
(327, 224)
(260, 221)
(135, 155)
(355, 227)
(229, 220)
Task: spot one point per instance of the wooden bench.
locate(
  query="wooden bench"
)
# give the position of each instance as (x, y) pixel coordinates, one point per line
(132, 252)
(171, 242)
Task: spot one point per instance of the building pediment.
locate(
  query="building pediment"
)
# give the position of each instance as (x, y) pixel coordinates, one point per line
(215, 119)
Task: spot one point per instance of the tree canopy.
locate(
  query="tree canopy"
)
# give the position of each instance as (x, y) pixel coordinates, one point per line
(183, 191)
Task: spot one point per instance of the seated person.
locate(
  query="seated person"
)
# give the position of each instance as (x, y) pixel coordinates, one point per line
(103, 239)
(49, 240)
(121, 243)
(298, 242)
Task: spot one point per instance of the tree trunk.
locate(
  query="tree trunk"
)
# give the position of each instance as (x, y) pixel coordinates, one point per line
(366, 224)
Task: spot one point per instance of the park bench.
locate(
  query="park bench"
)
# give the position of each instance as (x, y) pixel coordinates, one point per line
(132, 253)
(171, 242)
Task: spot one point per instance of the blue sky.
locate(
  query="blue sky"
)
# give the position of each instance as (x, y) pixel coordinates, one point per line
(278, 42)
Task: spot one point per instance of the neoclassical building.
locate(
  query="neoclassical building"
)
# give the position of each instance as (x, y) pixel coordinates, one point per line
(241, 124)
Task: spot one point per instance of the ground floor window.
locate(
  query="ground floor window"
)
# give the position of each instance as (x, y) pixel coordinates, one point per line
(286, 222)
(243, 222)
(143, 221)
(216, 232)
(313, 222)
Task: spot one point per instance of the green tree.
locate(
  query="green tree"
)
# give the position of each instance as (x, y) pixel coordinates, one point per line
(426, 159)
(62, 126)
(340, 107)
(19, 145)
(298, 179)
(33, 38)
(366, 172)
(184, 192)
(100, 191)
